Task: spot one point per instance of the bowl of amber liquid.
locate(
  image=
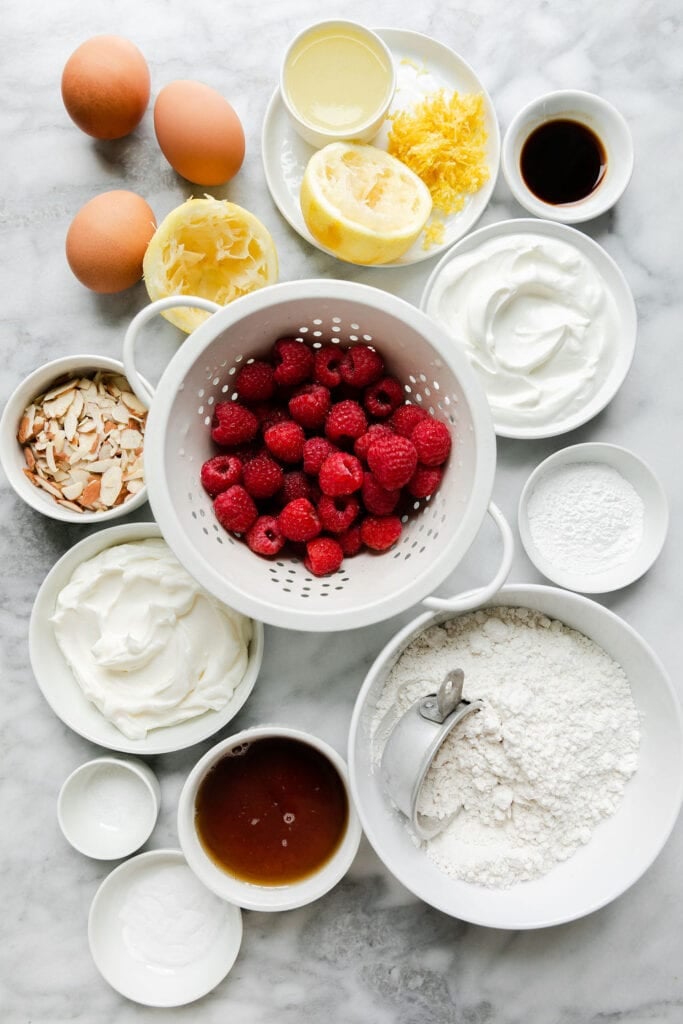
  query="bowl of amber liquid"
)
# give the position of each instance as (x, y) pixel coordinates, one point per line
(266, 820)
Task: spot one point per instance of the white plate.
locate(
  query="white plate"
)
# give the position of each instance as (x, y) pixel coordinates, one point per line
(615, 282)
(655, 517)
(65, 696)
(132, 958)
(422, 66)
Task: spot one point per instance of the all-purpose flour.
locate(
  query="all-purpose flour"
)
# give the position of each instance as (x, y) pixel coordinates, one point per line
(541, 764)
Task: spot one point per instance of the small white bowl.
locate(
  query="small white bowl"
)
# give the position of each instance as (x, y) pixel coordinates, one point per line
(64, 695)
(367, 130)
(157, 936)
(248, 895)
(655, 517)
(11, 452)
(108, 807)
(598, 115)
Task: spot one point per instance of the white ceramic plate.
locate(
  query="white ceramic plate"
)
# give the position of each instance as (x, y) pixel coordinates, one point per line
(614, 280)
(127, 943)
(65, 696)
(655, 517)
(423, 66)
(621, 848)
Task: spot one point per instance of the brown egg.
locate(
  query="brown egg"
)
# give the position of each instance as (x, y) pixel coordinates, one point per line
(200, 134)
(105, 87)
(107, 240)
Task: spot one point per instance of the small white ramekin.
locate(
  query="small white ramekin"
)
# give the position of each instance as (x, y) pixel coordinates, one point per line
(11, 452)
(366, 131)
(598, 115)
(249, 895)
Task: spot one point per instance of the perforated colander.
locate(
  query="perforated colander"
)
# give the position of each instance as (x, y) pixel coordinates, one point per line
(369, 587)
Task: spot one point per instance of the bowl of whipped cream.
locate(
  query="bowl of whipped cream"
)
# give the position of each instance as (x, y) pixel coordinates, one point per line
(558, 792)
(545, 317)
(131, 652)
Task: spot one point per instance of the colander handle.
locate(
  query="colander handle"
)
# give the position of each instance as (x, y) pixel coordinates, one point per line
(473, 598)
(145, 393)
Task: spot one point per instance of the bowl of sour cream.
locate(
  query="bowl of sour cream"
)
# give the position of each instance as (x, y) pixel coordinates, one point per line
(545, 317)
(131, 652)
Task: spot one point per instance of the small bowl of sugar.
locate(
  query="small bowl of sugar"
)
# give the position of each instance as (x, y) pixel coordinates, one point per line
(593, 517)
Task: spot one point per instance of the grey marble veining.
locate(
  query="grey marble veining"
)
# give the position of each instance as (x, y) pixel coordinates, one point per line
(368, 951)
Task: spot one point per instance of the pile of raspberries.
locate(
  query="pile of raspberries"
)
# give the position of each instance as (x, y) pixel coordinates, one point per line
(321, 452)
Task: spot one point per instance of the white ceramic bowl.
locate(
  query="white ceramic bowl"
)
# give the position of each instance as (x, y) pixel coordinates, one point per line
(108, 807)
(246, 894)
(655, 517)
(604, 120)
(369, 128)
(621, 848)
(143, 902)
(11, 453)
(65, 696)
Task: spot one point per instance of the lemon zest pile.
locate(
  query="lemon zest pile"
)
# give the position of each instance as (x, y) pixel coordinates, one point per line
(443, 140)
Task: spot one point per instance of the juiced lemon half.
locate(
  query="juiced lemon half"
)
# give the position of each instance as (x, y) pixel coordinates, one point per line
(208, 247)
(362, 204)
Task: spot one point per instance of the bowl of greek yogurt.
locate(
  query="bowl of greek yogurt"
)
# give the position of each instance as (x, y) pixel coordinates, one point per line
(545, 317)
(130, 651)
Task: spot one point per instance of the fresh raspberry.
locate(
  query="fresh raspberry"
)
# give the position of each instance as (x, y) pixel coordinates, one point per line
(337, 514)
(425, 480)
(326, 365)
(299, 520)
(432, 440)
(262, 477)
(235, 425)
(340, 473)
(254, 382)
(264, 537)
(235, 509)
(316, 450)
(219, 473)
(323, 556)
(310, 405)
(393, 461)
(361, 366)
(285, 441)
(297, 485)
(361, 444)
(377, 499)
(380, 532)
(350, 541)
(345, 422)
(293, 361)
(268, 414)
(381, 398)
(406, 418)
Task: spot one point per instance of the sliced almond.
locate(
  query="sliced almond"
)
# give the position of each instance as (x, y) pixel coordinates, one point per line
(91, 492)
(135, 486)
(69, 504)
(30, 458)
(131, 439)
(59, 406)
(133, 403)
(102, 465)
(50, 488)
(60, 389)
(111, 485)
(73, 490)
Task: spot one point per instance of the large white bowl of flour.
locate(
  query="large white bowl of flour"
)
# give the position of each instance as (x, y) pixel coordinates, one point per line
(593, 820)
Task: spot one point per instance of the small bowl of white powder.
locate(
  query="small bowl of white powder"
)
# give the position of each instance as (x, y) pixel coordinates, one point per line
(593, 517)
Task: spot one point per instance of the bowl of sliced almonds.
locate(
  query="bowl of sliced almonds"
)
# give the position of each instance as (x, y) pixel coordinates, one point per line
(72, 438)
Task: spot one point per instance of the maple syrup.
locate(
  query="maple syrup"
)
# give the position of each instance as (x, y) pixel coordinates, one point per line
(562, 161)
(273, 811)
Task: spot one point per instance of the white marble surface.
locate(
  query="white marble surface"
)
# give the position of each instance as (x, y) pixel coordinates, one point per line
(368, 951)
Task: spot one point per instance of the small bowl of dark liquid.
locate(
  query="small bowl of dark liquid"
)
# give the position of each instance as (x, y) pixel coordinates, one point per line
(265, 819)
(568, 156)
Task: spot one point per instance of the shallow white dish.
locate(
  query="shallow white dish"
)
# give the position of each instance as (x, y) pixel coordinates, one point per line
(598, 115)
(621, 848)
(129, 965)
(108, 807)
(615, 282)
(65, 696)
(655, 517)
(285, 154)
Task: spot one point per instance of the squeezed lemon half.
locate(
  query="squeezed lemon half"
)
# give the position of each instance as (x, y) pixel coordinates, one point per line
(208, 247)
(362, 204)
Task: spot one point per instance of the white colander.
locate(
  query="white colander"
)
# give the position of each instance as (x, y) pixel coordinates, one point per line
(369, 587)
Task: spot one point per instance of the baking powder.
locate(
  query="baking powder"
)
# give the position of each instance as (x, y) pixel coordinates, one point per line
(542, 763)
(584, 517)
